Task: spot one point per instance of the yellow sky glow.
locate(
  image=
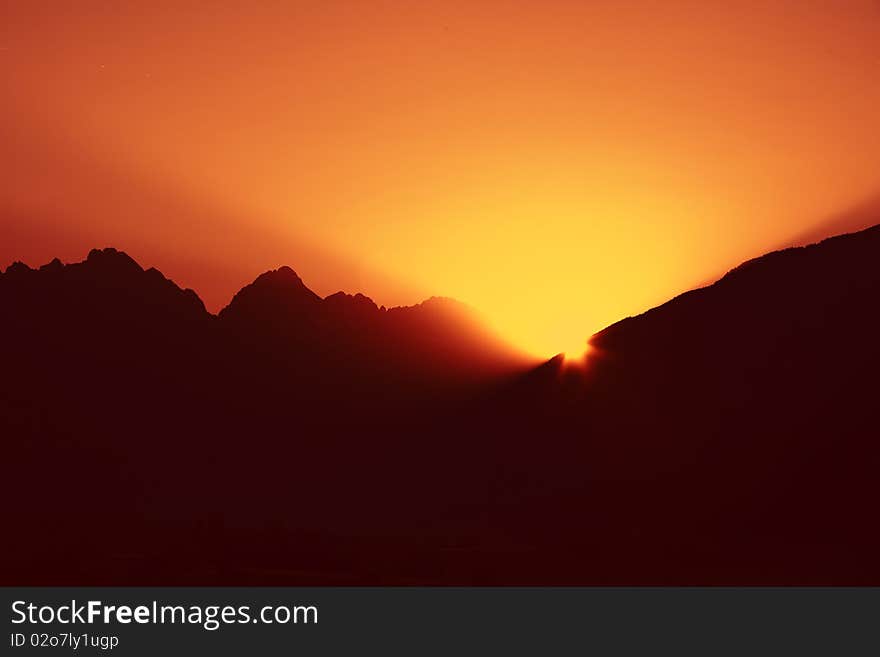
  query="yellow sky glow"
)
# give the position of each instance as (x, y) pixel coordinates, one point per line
(557, 165)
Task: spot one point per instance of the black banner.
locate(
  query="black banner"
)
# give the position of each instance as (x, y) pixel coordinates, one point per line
(409, 621)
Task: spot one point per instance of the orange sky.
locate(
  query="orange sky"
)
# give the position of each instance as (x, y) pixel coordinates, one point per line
(557, 165)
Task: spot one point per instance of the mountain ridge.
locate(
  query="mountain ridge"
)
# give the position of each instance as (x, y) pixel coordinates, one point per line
(726, 437)
(745, 268)
(283, 279)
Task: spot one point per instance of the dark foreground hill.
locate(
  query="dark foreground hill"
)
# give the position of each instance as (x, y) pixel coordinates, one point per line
(734, 430)
(729, 435)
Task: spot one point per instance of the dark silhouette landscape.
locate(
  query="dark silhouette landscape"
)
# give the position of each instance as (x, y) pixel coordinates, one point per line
(728, 436)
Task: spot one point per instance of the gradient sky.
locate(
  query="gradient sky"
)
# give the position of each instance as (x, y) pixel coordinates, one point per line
(557, 165)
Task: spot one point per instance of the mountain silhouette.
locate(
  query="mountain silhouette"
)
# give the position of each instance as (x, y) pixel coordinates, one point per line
(439, 338)
(727, 436)
(280, 292)
(735, 426)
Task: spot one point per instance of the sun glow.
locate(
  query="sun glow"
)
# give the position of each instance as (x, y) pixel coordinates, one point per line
(577, 356)
(555, 165)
